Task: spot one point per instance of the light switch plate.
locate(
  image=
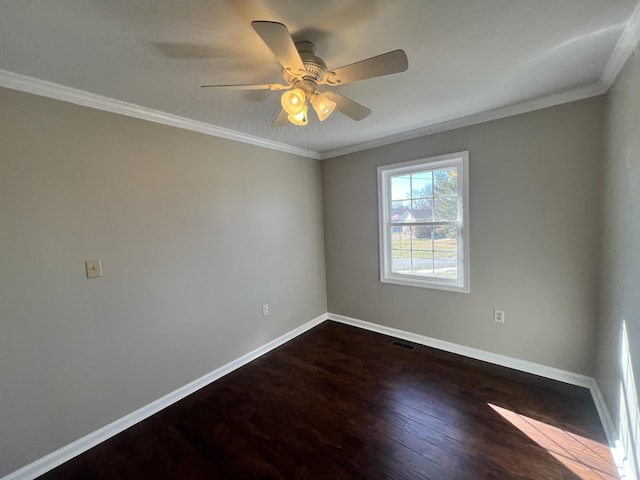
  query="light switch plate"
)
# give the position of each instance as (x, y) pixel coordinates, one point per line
(94, 268)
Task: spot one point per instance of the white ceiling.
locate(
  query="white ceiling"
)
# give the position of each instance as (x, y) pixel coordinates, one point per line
(466, 57)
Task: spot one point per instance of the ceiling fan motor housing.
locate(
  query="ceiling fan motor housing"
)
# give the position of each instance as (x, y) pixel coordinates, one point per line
(314, 69)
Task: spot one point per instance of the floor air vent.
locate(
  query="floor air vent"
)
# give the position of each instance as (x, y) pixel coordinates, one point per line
(406, 346)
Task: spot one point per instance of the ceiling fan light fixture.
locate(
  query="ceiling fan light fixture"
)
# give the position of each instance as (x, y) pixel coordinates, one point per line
(293, 101)
(322, 105)
(299, 118)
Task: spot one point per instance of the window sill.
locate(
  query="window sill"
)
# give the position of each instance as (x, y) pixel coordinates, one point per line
(430, 284)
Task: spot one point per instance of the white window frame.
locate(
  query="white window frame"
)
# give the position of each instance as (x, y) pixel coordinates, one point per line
(458, 159)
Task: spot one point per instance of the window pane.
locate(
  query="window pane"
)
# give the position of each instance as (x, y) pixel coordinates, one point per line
(445, 181)
(422, 263)
(401, 261)
(443, 234)
(445, 209)
(421, 211)
(421, 237)
(446, 252)
(445, 238)
(422, 250)
(400, 238)
(401, 211)
(445, 265)
(401, 187)
(422, 184)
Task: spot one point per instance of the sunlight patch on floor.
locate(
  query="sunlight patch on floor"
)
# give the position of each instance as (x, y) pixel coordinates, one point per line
(628, 408)
(588, 459)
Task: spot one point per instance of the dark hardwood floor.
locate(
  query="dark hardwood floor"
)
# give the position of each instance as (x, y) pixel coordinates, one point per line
(339, 402)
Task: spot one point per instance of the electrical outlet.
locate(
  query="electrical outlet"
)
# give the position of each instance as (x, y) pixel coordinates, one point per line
(498, 316)
(265, 310)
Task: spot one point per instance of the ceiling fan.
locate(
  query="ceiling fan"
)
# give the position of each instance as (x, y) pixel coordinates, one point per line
(303, 72)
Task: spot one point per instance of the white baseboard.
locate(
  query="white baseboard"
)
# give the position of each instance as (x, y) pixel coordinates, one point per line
(58, 457)
(503, 360)
(52, 460)
(517, 364)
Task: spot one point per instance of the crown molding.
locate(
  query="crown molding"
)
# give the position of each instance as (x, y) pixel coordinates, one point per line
(496, 114)
(56, 91)
(627, 43)
(23, 83)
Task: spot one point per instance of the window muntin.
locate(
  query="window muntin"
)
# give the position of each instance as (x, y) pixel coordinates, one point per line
(423, 222)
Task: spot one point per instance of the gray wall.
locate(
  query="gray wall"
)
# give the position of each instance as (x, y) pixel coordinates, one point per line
(620, 281)
(195, 233)
(534, 208)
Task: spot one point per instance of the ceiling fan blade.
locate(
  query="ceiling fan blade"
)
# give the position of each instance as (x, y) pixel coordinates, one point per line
(385, 64)
(250, 86)
(276, 36)
(281, 120)
(348, 107)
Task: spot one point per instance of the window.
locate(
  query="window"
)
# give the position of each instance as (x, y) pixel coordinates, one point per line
(424, 234)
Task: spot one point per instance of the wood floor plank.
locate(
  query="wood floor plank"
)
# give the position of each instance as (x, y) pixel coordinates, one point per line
(339, 402)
